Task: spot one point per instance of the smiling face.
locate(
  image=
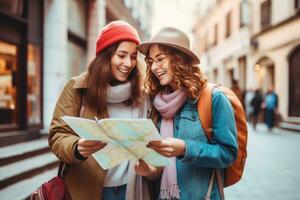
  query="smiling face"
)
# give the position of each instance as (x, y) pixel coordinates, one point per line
(160, 66)
(123, 61)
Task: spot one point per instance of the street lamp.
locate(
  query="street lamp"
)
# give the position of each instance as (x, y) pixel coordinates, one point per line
(257, 67)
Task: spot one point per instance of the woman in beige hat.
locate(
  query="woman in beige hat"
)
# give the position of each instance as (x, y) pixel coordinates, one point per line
(175, 81)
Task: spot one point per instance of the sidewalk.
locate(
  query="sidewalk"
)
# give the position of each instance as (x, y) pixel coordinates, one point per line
(272, 167)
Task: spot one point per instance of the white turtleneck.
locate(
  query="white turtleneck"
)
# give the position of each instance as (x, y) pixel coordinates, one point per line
(117, 175)
(116, 95)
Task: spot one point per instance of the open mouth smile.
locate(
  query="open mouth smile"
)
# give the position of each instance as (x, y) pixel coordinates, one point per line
(124, 71)
(160, 74)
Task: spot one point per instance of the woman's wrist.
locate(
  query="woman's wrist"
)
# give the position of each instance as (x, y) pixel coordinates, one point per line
(78, 155)
(156, 173)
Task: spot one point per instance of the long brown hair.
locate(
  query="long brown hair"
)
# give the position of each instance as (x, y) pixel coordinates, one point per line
(99, 78)
(186, 74)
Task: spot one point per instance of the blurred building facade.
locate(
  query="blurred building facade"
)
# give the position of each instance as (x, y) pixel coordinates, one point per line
(254, 42)
(42, 45)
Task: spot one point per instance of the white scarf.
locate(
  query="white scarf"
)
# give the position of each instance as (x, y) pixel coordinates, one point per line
(118, 93)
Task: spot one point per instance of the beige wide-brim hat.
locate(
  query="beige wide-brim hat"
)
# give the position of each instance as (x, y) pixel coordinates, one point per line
(171, 37)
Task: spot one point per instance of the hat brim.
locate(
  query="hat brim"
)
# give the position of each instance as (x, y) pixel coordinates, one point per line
(144, 47)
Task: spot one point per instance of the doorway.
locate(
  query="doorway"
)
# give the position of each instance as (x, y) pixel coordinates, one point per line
(265, 73)
(294, 83)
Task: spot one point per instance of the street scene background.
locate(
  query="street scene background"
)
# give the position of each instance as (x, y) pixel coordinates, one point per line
(250, 46)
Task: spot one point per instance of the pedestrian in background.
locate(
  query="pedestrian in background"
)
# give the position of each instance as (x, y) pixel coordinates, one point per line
(175, 82)
(256, 103)
(237, 90)
(110, 88)
(249, 94)
(271, 105)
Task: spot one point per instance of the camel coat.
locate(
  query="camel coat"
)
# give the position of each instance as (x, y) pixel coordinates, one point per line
(84, 179)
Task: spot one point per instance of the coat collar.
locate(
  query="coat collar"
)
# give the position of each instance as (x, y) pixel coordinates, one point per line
(80, 81)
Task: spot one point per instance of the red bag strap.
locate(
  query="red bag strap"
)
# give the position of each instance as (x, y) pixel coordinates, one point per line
(205, 108)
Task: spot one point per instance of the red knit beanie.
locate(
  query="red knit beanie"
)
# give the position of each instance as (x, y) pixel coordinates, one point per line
(116, 31)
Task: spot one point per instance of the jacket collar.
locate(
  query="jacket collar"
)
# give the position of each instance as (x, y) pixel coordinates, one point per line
(80, 81)
(192, 101)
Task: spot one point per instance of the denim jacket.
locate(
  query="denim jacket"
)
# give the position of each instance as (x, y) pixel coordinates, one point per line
(194, 169)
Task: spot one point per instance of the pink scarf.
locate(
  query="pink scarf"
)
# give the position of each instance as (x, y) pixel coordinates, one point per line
(167, 105)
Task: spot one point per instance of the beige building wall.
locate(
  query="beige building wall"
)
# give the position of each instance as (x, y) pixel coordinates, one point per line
(275, 43)
(220, 55)
(262, 48)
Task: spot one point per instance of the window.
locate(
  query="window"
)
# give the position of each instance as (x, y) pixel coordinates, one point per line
(77, 23)
(76, 59)
(205, 42)
(228, 25)
(216, 35)
(33, 84)
(242, 71)
(14, 7)
(77, 37)
(8, 93)
(297, 4)
(265, 14)
(215, 75)
(244, 13)
(230, 77)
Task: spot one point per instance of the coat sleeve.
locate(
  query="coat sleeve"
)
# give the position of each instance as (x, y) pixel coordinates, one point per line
(222, 149)
(62, 140)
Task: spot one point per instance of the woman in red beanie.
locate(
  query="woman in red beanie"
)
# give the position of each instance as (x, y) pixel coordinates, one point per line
(110, 88)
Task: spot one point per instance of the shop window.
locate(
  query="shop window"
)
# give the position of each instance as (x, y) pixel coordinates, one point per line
(8, 68)
(33, 84)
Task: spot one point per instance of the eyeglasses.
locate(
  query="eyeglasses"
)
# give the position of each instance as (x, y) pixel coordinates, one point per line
(159, 60)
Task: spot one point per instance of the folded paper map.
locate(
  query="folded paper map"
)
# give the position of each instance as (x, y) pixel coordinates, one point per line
(126, 139)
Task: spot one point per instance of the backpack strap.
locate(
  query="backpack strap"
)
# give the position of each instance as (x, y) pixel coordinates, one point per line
(211, 183)
(220, 183)
(205, 115)
(210, 186)
(205, 109)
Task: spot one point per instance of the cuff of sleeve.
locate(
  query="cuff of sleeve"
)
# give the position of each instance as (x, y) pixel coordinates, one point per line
(77, 154)
(187, 157)
(192, 149)
(68, 149)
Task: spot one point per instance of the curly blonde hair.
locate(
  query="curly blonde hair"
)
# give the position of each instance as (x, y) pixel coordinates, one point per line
(186, 74)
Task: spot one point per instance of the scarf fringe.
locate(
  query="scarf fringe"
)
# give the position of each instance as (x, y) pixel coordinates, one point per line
(169, 193)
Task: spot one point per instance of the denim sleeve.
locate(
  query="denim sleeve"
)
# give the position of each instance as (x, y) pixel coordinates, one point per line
(222, 149)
